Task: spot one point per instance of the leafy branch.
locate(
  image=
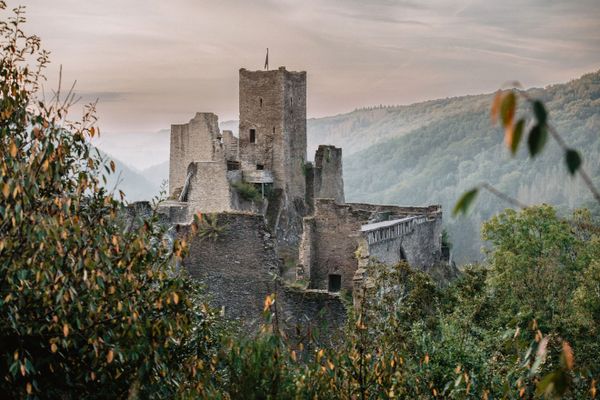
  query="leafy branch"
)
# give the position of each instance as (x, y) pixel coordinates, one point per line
(504, 108)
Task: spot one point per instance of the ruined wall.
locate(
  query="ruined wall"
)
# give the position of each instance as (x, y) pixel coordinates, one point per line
(335, 239)
(194, 141)
(230, 144)
(420, 245)
(316, 311)
(209, 190)
(236, 268)
(295, 132)
(328, 182)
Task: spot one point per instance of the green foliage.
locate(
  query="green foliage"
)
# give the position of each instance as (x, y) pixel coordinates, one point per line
(207, 226)
(88, 305)
(508, 329)
(247, 191)
(463, 204)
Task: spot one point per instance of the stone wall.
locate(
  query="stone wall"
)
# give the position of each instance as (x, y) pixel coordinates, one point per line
(230, 143)
(237, 268)
(209, 190)
(195, 141)
(328, 182)
(261, 97)
(420, 245)
(335, 232)
(321, 313)
(332, 235)
(294, 131)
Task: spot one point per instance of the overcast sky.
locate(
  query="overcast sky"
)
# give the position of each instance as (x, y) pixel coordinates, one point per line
(156, 62)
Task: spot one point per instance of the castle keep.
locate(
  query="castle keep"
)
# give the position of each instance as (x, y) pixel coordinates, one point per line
(278, 218)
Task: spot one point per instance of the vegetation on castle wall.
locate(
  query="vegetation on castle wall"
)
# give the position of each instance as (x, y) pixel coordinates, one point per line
(247, 191)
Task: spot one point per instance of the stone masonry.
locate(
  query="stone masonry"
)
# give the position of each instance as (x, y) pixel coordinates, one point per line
(262, 201)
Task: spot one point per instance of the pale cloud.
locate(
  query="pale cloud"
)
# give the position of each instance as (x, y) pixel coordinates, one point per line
(153, 62)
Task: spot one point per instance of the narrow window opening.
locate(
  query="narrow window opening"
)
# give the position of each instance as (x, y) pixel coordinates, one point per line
(335, 283)
(261, 102)
(252, 135)
(402, 254)
(260, 167)
(273, 129)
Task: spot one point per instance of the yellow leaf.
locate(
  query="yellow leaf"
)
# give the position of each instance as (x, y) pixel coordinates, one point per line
(426, 358)
(28, 388)
(496, 106)
(175, 298)
(110, 356)
(23, 371)
(6, 190)
(293, 354)
(568, 354)
(320, 354)
(66, 330)
(92, 131)
(45, 165)
(268, 303)
(53, 347)
(13, 149)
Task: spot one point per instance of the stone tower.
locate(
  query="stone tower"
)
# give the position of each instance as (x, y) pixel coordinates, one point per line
(272, 130)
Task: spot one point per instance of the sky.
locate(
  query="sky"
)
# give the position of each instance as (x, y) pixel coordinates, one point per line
(152, 63)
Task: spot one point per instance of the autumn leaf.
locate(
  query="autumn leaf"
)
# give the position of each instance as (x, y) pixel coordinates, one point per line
(496, 106)
(109, 356)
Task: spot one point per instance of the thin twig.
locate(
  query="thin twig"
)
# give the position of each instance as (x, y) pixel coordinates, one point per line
(503, 196)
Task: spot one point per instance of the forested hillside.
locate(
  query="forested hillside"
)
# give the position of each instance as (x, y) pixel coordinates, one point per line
(432, 152)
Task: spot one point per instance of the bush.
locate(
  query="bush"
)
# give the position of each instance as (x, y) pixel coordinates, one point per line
(88, 306)
(247, 191)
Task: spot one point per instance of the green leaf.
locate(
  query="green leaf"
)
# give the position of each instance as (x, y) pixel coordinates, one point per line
(507, 109)
(537, 139)
(540, 112)
(516, 136)
(573, 160)
(462, 205)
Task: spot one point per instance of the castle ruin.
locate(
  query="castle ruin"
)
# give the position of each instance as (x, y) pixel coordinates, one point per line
(280, 217)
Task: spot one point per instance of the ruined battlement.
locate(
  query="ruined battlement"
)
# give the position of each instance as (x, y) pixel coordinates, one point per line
(268, 206)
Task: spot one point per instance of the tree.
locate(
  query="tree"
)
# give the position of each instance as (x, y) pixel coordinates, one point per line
(89, 306)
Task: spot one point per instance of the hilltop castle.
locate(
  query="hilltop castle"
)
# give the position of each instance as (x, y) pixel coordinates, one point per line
(275, 216)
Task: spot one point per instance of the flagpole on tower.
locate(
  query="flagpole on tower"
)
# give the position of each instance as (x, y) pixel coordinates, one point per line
(267, 60)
